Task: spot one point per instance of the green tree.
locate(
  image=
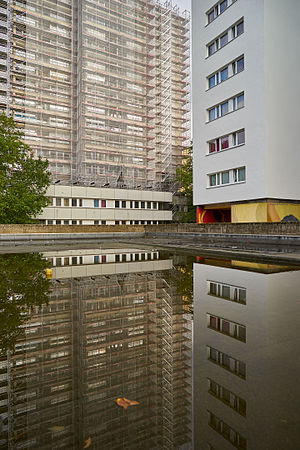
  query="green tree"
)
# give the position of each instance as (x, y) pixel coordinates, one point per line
(23, 288)
(23, 179)
(184, 175)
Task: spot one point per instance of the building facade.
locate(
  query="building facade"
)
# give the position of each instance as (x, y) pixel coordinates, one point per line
(101, 88)
(245, 115)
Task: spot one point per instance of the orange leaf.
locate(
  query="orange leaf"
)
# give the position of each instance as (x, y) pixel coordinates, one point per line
(88, 442)
(124, 402)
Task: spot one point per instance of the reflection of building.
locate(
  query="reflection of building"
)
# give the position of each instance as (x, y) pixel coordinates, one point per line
(245, 113)
(111, 329)
(245, 356)
(101, 91)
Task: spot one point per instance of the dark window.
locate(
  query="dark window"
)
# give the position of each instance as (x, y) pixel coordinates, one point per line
(74, 201)
(123, 203)
(131, 204)
(74, 222)
(96, 222)
(240, 28)
(58, 202)
(96, 259)
(117, 204)
(80, 202)
(124, 258)
(117, 222)
(58, 222)
(143, 205)
(223, 6)
(103, 222)
(66, 222)
(103, 258)
(117, 258)
(240, 65)
(74, 260)
(149, 205)
(136, 204)
(136, 222)
(103, 203)
(96, 203)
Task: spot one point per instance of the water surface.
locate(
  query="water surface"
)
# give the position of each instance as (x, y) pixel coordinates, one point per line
(132, 348)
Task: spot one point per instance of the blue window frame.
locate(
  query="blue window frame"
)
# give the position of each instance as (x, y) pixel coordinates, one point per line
(212, 81)
(96, 203)
(96, 259)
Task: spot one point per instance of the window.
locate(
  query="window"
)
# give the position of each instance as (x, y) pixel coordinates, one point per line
(74, 201)
(239, 137)
(223, 74)
(117, 258)
(154, 205)
(228, 362)
(217, 179)
(240, 28)
(136, 204)
(148, 205)
(143, 205)
(239, 175)
(226, 142)
(227, 327)
(66, 202)
(240, 101)
(103, 258)
(58, 202)
(74, 222)
(227, 292)
(123, 203)
(218, 9)
(103, 203)
(225, 37)
(223, 6)
(103, 222)
(227, 432)
(131, 204)
(96, 222)
(223, 40)
(225, 177)
(58, 222)
(96, 203)
(66, 222)
(96, 259)
(224, 108)
(117, 204)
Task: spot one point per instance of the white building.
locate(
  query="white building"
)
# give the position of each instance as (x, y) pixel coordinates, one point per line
(245, 103)
(79, 205)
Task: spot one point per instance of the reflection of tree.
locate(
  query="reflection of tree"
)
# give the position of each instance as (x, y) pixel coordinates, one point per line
(23, 286)
(183, 280)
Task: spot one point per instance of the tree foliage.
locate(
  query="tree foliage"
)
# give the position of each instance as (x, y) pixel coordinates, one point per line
(185, 177)
(23, 179)
(23, 287)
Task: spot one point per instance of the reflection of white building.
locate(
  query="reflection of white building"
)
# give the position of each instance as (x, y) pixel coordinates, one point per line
(245, 357)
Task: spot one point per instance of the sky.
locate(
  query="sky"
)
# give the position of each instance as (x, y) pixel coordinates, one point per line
(183, 4)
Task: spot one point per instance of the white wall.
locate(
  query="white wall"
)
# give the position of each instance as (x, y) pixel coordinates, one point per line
(282, 71)
(270, 43)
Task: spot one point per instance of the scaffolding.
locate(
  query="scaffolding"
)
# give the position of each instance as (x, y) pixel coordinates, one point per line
(102, 92)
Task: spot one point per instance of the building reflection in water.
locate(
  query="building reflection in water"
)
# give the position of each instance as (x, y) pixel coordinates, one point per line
(246, 363)
(114, 326)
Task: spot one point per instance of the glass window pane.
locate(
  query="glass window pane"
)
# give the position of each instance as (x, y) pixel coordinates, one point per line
(212, 180)
(224, 142)
(226, 289)
(240, 101)
(224, 108)
(225, 177)
(212, 81)
(223, 40)
(224, 74)
(223, 6)
(96, 203)
(240, 65)
(241, 137)
(212, 147)
(211, 49)
(211, 16)
(242, 174)
(212, 114)
(240, 28)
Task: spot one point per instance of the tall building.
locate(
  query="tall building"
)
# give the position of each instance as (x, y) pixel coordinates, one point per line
(245, 97)
(114, 327)
(101, 89)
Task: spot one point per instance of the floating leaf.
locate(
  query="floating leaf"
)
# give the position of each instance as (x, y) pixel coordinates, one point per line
(124, 402)
(88, 442)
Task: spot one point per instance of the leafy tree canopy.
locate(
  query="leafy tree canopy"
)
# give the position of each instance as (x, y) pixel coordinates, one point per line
(185, 177)
(23, 287)
(23, 179)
